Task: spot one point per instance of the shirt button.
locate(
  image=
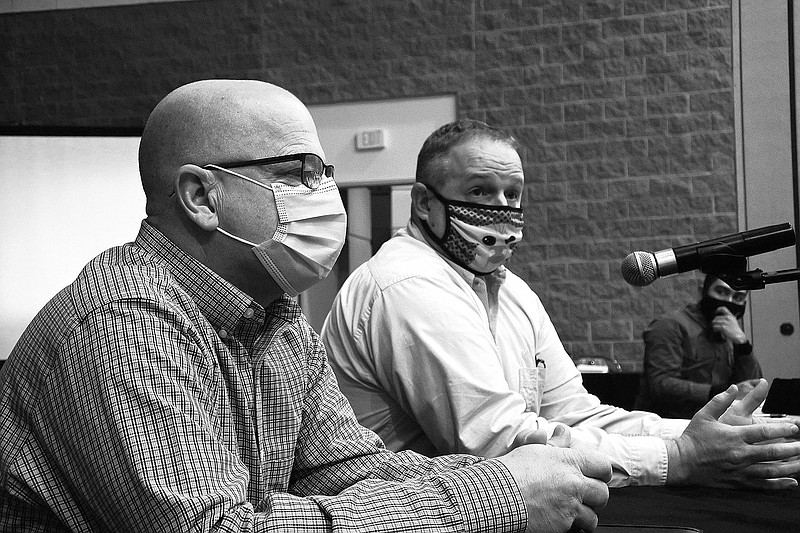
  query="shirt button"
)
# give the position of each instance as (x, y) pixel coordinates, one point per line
(223, 334)
(248, 313)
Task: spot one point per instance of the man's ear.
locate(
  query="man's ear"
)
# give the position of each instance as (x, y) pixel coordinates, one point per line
(420, 200)
(193, 186)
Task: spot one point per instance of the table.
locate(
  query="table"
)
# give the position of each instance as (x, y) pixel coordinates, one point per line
(709, 509)
(613, 388)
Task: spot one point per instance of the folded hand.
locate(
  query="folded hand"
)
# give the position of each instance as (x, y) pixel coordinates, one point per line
(562, 487)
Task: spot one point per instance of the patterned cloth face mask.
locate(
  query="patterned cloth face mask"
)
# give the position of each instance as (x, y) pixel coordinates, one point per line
(312, 225)
(478, 237)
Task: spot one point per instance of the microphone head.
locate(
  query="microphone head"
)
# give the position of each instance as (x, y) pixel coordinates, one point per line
(639, 269)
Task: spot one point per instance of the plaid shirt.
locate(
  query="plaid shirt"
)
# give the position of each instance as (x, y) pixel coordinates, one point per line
(152, 395)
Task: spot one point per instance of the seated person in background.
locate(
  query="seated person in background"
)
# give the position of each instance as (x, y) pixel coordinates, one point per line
(175, 386)
(694, 353)
(441, 349)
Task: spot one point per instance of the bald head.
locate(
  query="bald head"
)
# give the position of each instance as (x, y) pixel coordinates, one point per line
(216, 121)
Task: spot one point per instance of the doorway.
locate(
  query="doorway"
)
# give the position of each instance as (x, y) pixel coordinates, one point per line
(765, 70)
(373, 146)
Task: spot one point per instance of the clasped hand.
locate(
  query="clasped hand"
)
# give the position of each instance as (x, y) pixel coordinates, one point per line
(562, 487)
(724, 447)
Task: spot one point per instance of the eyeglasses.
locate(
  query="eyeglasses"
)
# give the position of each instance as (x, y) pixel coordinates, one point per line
(312, 169)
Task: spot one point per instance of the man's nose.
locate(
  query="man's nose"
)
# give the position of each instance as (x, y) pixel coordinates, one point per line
(500, 199)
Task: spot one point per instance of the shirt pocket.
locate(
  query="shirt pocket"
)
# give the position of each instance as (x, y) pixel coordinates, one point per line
(531, 386)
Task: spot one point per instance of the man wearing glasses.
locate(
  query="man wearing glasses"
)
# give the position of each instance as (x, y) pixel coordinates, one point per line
(696, 352)
(176, 385)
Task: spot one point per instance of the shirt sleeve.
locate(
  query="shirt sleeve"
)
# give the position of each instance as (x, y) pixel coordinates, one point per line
(345, 471)
(453, 382)
(127, 420)
(408, 492)
(633, 440)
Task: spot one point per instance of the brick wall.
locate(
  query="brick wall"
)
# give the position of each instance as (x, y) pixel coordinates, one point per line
(625, 109)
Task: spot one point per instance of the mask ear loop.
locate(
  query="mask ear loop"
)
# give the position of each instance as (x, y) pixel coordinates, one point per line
(231, 172)
(251, 180)
(234, 237)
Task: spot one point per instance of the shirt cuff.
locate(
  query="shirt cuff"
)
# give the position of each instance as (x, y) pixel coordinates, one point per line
(742, 349)
(645, 464)
(488, 497)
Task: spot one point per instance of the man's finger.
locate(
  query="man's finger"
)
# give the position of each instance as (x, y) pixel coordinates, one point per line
(595, 494)
(562, 438)
(586, 520)
(717, 406)
(754, 398)
(594, 465)
(722, 310)
(773, 484)
(773, 470)
(765, 483)
(756, 433)
(533, 436)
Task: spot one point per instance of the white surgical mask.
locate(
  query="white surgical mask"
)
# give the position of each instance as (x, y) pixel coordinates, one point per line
(312, 225)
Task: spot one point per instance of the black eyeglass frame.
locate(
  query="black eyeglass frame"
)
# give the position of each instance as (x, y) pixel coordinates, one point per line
(327, 170)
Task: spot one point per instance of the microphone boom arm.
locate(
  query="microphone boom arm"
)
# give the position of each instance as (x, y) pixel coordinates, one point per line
(758, 279)
(731, 267)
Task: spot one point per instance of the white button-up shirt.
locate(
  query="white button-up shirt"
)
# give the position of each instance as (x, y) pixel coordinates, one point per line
(413, 347)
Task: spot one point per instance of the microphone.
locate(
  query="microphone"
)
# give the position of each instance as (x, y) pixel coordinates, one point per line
(643, 268)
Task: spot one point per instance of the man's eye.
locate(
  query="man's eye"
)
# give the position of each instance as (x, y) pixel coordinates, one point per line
(289, 168)
(287, 176)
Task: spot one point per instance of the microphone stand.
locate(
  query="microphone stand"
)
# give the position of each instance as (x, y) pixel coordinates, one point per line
(732, 269)
(757, 279)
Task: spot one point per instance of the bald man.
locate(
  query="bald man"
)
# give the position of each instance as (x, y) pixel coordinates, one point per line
(176, 386)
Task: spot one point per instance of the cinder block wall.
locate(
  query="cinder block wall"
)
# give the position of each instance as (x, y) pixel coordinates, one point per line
(625, 109)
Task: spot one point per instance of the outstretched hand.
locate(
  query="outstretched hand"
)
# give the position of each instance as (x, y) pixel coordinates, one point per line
(722, 446)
